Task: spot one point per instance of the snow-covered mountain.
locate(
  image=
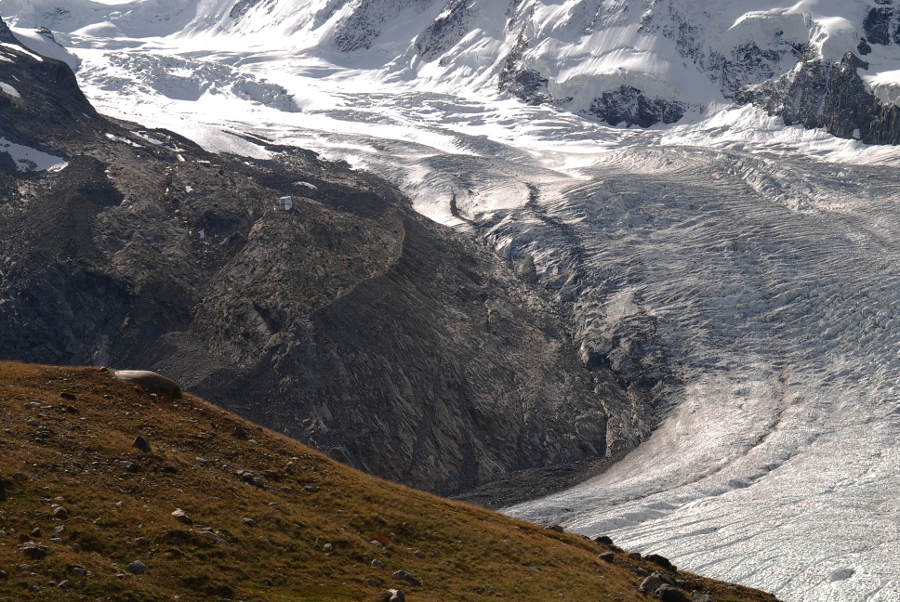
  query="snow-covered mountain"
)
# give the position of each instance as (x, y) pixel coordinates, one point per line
(690, 181)
(819, 63)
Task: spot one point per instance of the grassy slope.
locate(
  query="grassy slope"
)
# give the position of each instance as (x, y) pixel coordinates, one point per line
(470, 553)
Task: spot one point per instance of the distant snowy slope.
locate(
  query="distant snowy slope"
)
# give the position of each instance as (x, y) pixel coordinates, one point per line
(632, 62)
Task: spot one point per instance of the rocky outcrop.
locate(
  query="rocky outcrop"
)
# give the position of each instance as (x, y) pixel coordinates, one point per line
(522, 82)
(834, 97)
(445, 31)
(349, 321)
(630, 106)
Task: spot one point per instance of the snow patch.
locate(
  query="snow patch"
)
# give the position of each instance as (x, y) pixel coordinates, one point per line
(30, 159)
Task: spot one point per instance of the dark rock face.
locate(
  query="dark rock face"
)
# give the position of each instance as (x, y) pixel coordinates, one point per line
(6, 36)
(630, 106)
(359, 30)
(350, 321)
(523, 83)
(445, 31)
(877, 25)
(830, 96)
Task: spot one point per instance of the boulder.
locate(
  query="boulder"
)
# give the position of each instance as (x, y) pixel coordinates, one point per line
(661, 561)
(151, 381)
(408, 577)
(182, 517)
(668, 593)
(60, 513)
(607, 556)
(394, 595)
(33, 550)
(142, 443)
(650, 584)
(136, 568)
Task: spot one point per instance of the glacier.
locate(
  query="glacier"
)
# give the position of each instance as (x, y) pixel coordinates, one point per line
(747, 268)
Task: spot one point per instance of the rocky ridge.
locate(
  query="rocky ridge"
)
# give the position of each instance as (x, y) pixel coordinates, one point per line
(348, 321)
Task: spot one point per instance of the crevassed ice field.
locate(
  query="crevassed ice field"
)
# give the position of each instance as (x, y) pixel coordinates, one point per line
(765, 258)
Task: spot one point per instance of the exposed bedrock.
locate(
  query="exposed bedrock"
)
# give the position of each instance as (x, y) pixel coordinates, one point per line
(349, 321)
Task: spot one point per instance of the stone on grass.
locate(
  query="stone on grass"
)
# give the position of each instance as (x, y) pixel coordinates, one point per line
(394, 595)
(20, 477)
(142, 541)
(3, 576)
(142, 443)
(239, 432)
(76, 570)
(701, 597)
(151, 381)
(64, 584)
(33, 550)
(635, 555)
(604, 539)
(650, 584)
(661, 561)
(377, 564)
(420, 554)
(60, 513)
(607, 556)
(136, 568)
(668, 593)
(249, 522)
(556, 528)
(375, 543)
(408, 577)
(182, 517)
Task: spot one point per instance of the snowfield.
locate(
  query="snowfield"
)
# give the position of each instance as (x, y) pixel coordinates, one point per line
(756, 263)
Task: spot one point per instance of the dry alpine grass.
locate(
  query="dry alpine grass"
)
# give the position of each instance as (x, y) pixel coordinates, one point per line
(70, 431)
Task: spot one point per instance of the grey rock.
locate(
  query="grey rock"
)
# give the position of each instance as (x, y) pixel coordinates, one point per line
(3, 576)
(151, 381)
(136, 568)
(650, 584)
(60, 513)
(841, 575)
(26, 568)
(181, 516)
(142, 541)
(33, 550)
(701, 597)
(215, 537)
(20, 477)
(604, 539)
(239, 432)
(64, 584)
(394, 595)
(556, 528)
(408, 577)
(660, 561)
(668, 593)
(127, 465)
(142, 443)
(33, 422)
(419, 554)
(77, 570)
(249, 522)
(607, 556)
(664, 578)
(376, 544)
(635, 555)
(632, 106)
(377, 564)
